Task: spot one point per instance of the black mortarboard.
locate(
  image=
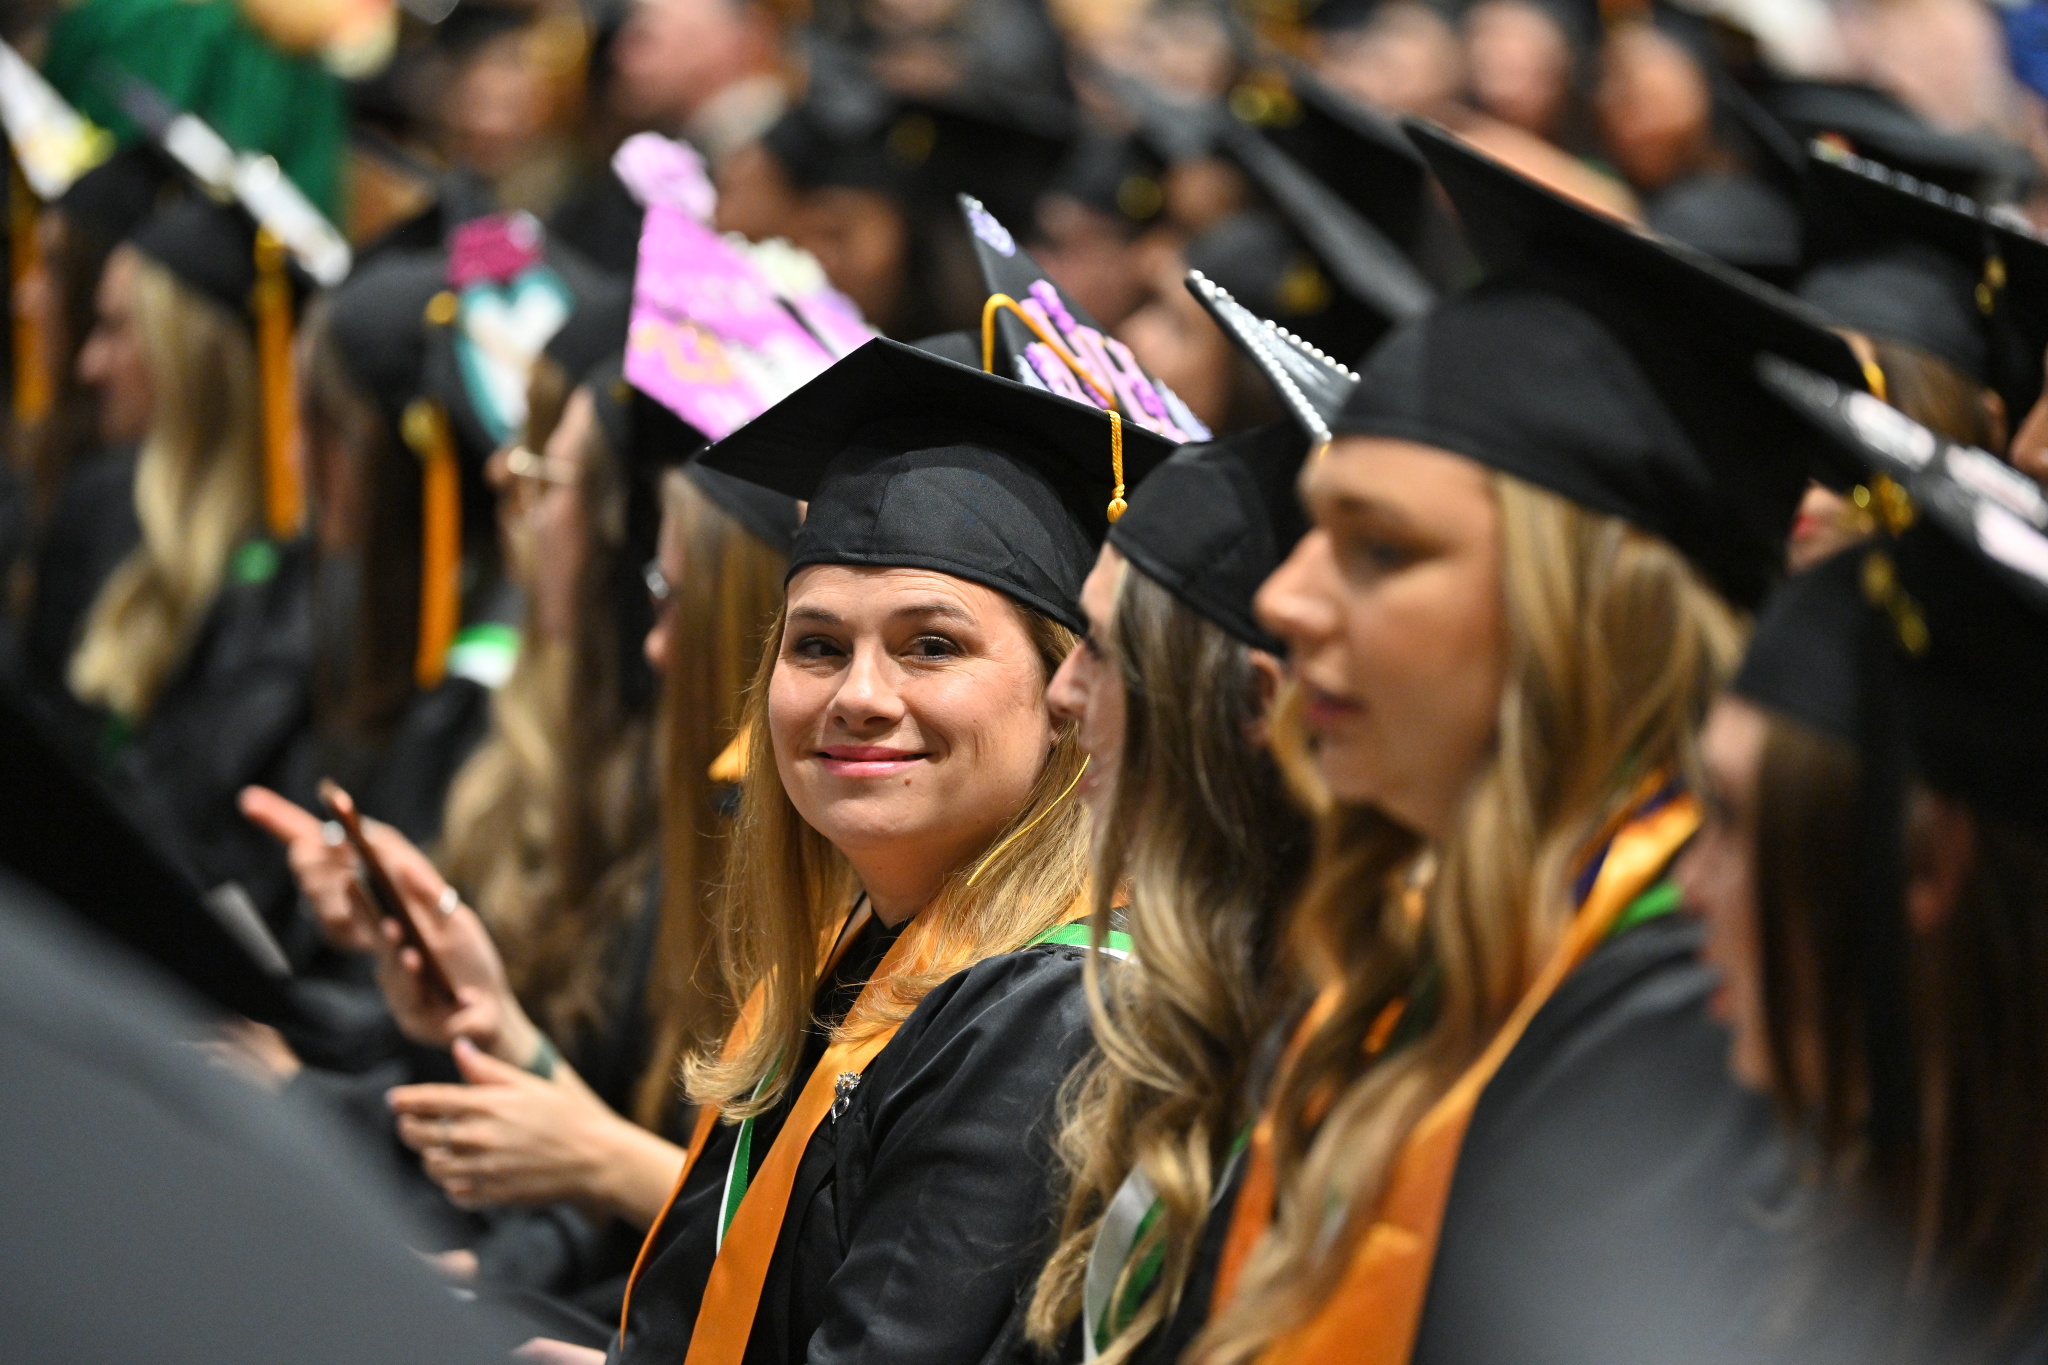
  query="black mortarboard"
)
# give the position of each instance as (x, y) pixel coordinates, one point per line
(113, 198)
(1609, 367)
(62, 829)
(1952, 663)
(1357, 152)
(210, 247)
(1964, 579)
(378, 323)
(1215, 521)
(911, 461)
(1899, 258)
(598, 321)
(1340, 281)
(1116, 174)
(1802, 660)
(1733, 216)
(1877, 125)
(1016, 350)
(1312, 387)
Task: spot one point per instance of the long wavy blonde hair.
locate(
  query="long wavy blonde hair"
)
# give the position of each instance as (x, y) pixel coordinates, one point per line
(1209, 852)
(1617, 645)
(788, 887)
(198, 495)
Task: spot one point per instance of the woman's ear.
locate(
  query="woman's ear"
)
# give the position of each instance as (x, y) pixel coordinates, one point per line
(1268, 673)
(1941, 852)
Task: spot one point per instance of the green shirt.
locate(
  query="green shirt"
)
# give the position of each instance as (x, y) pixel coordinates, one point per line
(205, 58)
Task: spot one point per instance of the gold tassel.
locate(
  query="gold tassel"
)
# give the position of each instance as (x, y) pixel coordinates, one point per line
(427, 432)
(284, 494)
(998, 302)
(33, 390)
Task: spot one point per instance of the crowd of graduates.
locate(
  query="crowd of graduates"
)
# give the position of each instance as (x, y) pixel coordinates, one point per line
(1024, 681)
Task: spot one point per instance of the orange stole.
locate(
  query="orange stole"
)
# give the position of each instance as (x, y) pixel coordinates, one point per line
(1373, 1316)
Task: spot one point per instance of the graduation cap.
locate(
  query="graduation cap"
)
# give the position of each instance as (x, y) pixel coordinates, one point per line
(1950, 632)
(52, 142)
(1902, 259)
(1609, 367)
(65, 830)
(1802, 658)
(849, 131)
(1874, 124)
(910, 460)
(1213, 523)
(112, 199)
(1033, 332)
(1357, 152)
(1118, 175)
(1348, 221)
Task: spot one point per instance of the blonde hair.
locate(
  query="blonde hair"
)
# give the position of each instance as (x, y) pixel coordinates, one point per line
(1209, 851)
(1617, 646)
(788, 887)
(724, 608)
(198, 492)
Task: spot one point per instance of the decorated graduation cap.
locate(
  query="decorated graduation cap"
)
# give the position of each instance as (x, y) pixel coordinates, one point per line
(909, 460)
(1641, 400)
(1033, 332)
(66, 830)
(1898, 258)
(1213, 523)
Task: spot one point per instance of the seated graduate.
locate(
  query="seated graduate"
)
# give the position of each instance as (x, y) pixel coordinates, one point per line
(1505, 1132)
(869, 1175)
(1198, 837)
(194, 657)
(1872, 872)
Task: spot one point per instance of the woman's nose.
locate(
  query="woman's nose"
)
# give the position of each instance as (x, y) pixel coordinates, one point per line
(867, 697)
(1287, 604)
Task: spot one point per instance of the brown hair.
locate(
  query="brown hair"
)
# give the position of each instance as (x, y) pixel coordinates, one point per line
(1972, 1197)
(1617, 645)
(1937, 395)
(787, 886)
(725, 606)
(1209, 851)
(552, 824)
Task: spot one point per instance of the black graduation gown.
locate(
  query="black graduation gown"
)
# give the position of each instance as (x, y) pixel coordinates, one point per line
(91, 528)
(155, 1208)
(235, 713)
(1607, 1201)
(919, 1215)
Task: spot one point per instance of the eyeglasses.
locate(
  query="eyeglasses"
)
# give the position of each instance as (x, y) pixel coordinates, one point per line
(659, 589)
(522, 463)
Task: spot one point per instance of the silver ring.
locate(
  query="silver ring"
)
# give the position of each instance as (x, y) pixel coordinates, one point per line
(332, 834)
(449, 900)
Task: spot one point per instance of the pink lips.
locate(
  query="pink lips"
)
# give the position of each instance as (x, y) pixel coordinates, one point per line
(865, 760)
(1326, 710)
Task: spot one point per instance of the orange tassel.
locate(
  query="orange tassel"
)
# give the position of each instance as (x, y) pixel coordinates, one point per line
(284, 494)
(427, 432)
(33, 391)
